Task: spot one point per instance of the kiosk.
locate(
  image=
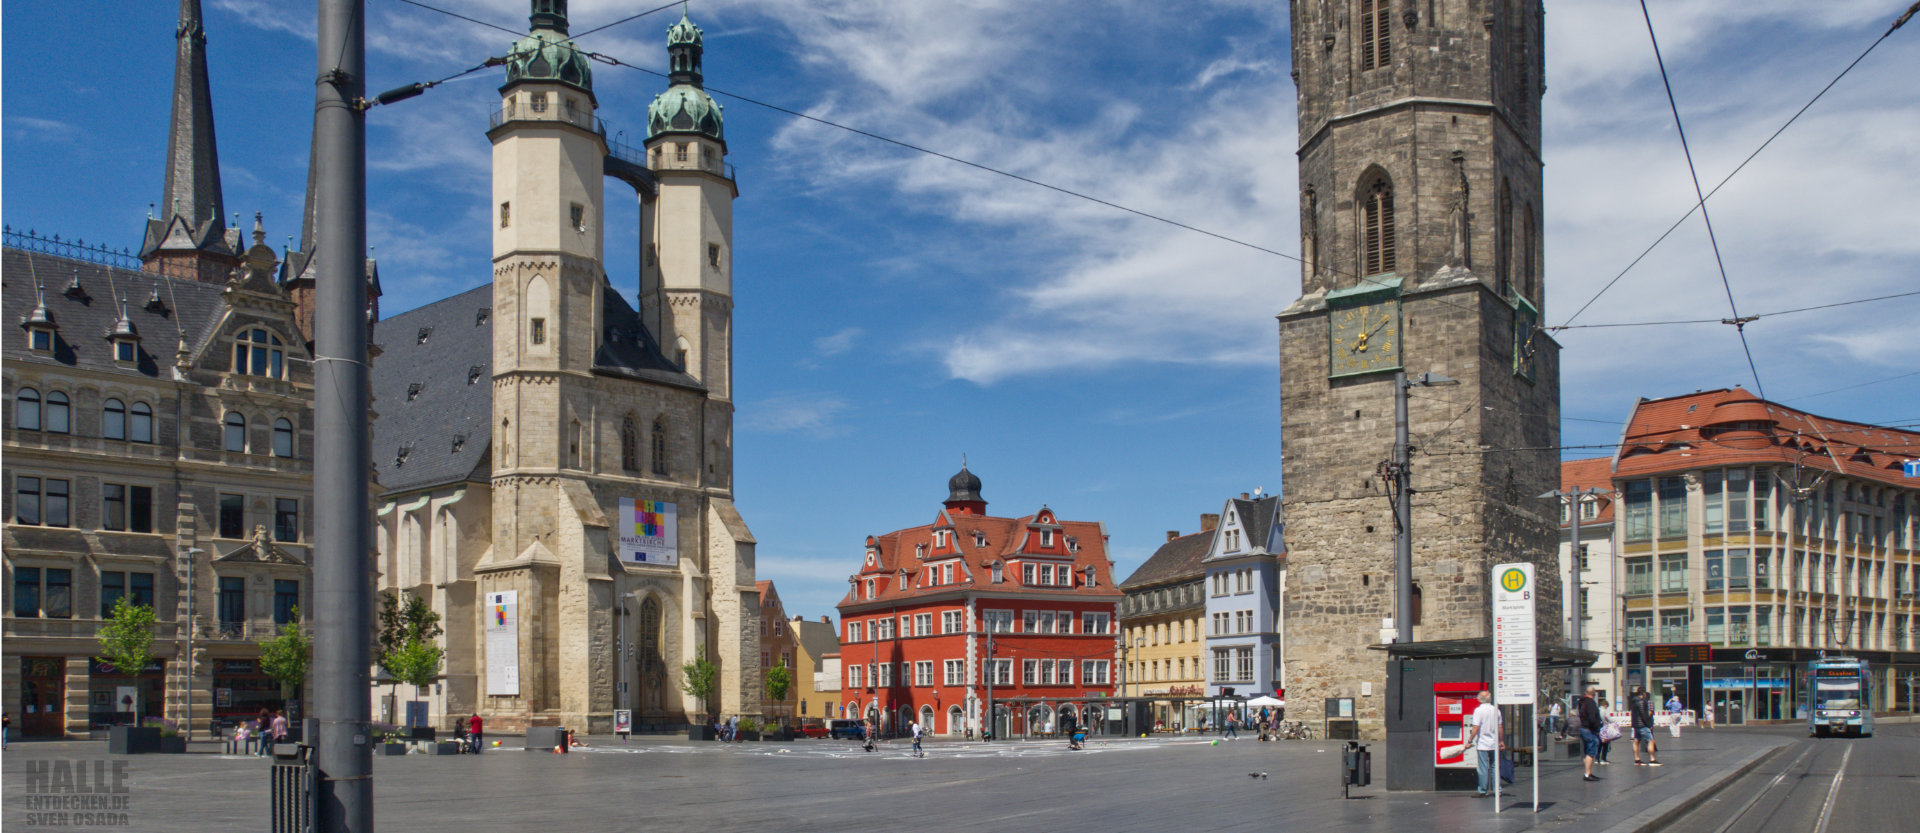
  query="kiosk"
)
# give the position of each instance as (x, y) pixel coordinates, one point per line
(1426, 683)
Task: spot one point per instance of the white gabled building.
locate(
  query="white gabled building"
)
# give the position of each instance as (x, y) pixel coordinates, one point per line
(1246, 576)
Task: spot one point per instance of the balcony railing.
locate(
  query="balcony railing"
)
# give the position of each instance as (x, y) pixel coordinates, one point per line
(239, 631)
(576, 117)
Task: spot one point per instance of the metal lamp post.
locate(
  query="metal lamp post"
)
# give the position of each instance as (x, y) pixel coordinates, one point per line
(1400, 473)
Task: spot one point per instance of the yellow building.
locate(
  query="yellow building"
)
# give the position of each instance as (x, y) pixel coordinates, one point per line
(816, 687)
(1161, 622)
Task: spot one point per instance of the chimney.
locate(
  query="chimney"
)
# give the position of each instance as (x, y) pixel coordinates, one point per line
(1245, 496)
(1172, 534)
(1208, 522)
(825, 621)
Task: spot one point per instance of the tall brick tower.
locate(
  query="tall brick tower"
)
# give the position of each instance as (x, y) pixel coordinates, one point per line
(1420, 170)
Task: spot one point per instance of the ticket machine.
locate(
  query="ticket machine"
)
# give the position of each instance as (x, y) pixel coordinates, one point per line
(1453, 705)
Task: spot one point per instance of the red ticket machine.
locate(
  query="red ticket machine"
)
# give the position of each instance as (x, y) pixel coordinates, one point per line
(1453, 705)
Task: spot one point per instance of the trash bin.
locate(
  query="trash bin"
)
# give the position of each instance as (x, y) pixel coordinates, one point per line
(1357, 767)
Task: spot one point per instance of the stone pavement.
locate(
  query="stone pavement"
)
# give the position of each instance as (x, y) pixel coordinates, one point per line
(666, 783)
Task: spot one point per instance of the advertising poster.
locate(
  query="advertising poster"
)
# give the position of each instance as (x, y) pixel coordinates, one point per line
(503, 643)
(647, 532)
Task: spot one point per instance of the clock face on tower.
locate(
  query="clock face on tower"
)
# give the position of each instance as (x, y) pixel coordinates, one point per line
(1364, 338)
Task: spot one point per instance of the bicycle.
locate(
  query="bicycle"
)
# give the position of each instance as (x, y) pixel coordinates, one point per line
(1296, 730)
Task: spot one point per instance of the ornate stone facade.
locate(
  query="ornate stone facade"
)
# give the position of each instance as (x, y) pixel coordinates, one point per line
(1419, 147)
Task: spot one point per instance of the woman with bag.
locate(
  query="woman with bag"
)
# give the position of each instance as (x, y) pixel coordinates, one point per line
(1609, 732)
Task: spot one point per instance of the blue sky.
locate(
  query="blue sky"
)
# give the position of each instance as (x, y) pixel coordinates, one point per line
(895, 311)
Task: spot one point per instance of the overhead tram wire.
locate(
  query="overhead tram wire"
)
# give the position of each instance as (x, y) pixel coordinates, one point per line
(1750, 318)
(1743, 164)
(1739, 324)
(613, 61)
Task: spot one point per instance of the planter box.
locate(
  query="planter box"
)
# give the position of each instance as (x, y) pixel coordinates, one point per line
(175, 745)
(785, 735)
(544, 738)
(421, 733)
(749, 734)
(700, 733)
(446, 747)
(132, 740)
(390, 749)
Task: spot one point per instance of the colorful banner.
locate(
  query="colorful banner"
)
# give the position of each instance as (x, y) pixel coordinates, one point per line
(647, 531)
(502, 615)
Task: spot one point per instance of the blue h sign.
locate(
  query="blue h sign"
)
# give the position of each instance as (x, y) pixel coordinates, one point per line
(1911, 467)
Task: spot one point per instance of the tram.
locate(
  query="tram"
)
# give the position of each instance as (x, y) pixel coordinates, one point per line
(1839, 697)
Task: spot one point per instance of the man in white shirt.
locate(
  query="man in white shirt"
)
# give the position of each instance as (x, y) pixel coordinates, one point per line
(1484, 730)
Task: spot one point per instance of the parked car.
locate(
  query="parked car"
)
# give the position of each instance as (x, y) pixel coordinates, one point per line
(847, 729)
(812, 729)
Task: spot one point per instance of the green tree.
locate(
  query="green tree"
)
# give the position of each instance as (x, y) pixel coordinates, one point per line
(126, 637)
(408, 625)
(699, 679)
(287, 657)
(779, 681)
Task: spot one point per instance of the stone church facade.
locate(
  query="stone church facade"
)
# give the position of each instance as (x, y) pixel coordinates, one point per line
(1419, 155)
(556, 464)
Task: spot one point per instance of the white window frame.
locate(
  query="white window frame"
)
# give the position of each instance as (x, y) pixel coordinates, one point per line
(956, 672)
(922, 624)
(950, 621)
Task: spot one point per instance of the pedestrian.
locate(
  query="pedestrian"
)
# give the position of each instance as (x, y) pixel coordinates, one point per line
(1587, 711)
(1233, 727)
(6, 728)
(1556, 720)
(1640, 709)
(473, 733)
(1484, 729)
(733, 728)
(1070, 726)
(279, 732)
(1706, 717)
(263, 727)
(917, 752)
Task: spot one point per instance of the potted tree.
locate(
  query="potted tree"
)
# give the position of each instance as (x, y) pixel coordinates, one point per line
(126, 643)
(287, 657)
(698, 679)
(417, 664)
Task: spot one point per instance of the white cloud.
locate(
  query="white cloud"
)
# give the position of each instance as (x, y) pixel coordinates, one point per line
(803, 413)
(837, 343)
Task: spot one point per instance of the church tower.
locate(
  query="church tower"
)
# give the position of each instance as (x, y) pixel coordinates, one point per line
(1420, 207)
(686, 263)
(189, 239)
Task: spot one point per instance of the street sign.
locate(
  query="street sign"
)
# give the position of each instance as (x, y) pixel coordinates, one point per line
(1514, 667)
(1910, 468)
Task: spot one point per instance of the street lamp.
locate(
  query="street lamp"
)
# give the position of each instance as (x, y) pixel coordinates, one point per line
(1400, 482)
(1572, 500)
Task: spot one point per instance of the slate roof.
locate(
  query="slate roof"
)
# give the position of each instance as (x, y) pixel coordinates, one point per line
(817, 638)
(454, 399)
(83, 318)
(1257, 519)
(1175, 560)
(1731, 427)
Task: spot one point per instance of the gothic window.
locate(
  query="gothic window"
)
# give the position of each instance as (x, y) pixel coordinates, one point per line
(573, 444)
(506, 214)
(651, 667)
(537, 303)
(629, 445)
(236, 432)
(680, 348)
(713, 254)
(680, 152)
(1376, 34)
(578, 213)
(539, 102)
(659, 448)
(1376, 228)
(1529, 246)
(113, 420)
(1503, 247)
(537, 331)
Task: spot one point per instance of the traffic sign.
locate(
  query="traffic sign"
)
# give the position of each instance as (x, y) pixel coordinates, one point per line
(1515, 671)
(1910, 468)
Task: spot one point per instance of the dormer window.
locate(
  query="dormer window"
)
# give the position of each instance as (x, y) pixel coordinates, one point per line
(1029, 574)
(259, 353)
(125, 350)
(999, 573)
(1046, 538)
(40, 339)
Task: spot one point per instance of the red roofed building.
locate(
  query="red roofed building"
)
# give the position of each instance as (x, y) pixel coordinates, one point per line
(1597, 584)
(944, 618)
(1752, 526)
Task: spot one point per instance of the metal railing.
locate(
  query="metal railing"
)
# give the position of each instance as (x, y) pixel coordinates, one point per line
(240, 631)
(76, 249)
(576, 117)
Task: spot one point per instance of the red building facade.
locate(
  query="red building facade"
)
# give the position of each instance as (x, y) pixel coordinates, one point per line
(944, 618)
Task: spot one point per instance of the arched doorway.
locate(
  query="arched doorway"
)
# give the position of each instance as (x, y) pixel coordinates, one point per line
(926, 719)
(1039, 721)
(1069, 712)
(906, 719)
(955, 722)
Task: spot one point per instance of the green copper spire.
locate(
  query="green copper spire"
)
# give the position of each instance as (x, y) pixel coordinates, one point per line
(685, 106)
(546, 53)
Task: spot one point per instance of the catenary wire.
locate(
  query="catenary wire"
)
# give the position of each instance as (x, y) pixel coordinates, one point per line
(1750, 318)
(1693, 172)
(1743, 163)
